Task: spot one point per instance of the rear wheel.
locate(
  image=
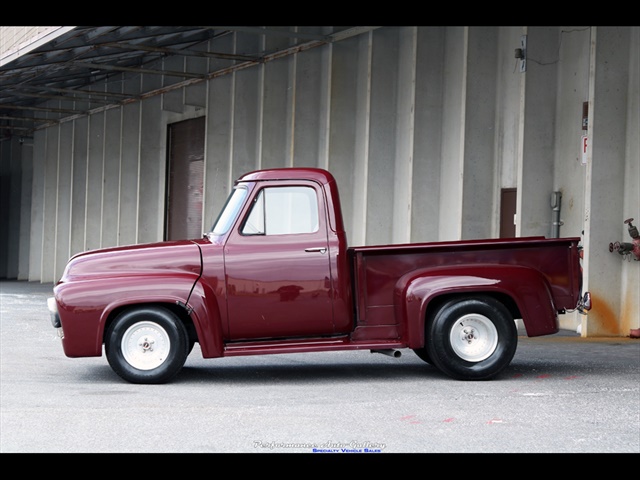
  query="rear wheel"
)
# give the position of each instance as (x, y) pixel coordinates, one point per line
(472, 338)
(146, 345)
(423, 354)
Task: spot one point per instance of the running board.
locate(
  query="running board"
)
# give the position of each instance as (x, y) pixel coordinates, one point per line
(303, 345)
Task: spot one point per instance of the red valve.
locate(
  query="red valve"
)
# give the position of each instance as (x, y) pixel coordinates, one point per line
(625, 248)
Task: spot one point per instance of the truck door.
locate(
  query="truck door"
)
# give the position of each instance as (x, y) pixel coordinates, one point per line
(277, 265)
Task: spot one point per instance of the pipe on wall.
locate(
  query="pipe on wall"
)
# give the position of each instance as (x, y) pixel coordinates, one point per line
(556, 223)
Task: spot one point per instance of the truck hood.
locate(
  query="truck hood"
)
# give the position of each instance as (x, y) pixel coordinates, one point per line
(151, 259)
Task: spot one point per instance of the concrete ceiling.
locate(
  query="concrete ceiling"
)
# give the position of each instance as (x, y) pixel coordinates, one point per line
(65, 68)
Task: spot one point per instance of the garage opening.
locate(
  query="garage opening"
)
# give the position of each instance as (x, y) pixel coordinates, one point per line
(185, 179)
(508, 199)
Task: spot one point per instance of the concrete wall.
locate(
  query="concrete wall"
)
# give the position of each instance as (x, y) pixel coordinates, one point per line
(422, 127)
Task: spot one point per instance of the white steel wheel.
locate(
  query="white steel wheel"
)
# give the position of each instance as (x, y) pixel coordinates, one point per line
(473, 337)
(145, 345)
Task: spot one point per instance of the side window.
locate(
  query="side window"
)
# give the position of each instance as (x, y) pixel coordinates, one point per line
(254, 225)
(283, 210)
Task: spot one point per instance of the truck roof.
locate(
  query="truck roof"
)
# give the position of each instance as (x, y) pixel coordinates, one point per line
(294, 173)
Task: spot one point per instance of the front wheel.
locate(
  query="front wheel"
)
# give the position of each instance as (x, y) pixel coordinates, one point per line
(472, 338)
(146, 345)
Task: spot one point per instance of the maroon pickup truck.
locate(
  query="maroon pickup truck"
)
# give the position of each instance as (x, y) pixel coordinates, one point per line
(275, 275)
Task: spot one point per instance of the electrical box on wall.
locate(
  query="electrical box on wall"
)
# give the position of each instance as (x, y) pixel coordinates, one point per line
(521, 53)
(584, 140)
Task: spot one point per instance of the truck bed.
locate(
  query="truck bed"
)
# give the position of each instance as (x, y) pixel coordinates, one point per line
(377, 269)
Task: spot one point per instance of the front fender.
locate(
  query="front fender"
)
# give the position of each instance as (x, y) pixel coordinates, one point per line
(85, 307)
(207, 319)
(527, 287)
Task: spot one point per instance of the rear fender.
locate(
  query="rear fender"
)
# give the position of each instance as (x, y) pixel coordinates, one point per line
(529, 290)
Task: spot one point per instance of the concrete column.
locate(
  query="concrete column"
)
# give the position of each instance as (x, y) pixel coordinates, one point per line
(382, 139)
(6, 155)
(361, 116)
(348, 125)
(311, 107)
(50, 204)
(427, 137)
(152, 170)
(26, 162)
(129, 175)
(63, 198)
(95, 170)
(453, 121)
(11, 196)
(80, 190)
(405, 133)
(277, 89)
(479, 158)
(111, 177)
(630, 294)
(535, 171)
(611, 50)
(218, 152)
(246, 138)
(37, 204)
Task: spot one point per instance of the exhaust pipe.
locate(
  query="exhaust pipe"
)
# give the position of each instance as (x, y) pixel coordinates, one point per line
(390, 352)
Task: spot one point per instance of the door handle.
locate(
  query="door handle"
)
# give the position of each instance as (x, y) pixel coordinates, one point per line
(316, 249)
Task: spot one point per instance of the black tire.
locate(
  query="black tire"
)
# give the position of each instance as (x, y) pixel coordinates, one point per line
(423, 354)
(472, 338)
(190, 345)
(146, 345)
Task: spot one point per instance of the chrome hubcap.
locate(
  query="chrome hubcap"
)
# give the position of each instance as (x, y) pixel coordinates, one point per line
(474, 337)
(145, 345)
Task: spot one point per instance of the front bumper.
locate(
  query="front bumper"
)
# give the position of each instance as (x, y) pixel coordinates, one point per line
(52, 305)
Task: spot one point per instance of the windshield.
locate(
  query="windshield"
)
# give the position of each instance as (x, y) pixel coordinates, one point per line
(230, 211)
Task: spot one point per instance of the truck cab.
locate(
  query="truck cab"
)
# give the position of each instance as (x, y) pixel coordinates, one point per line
(283, 246)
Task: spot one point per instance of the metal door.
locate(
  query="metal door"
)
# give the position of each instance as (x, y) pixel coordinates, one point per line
(508, 198)
(185, 179)
(277, 266)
